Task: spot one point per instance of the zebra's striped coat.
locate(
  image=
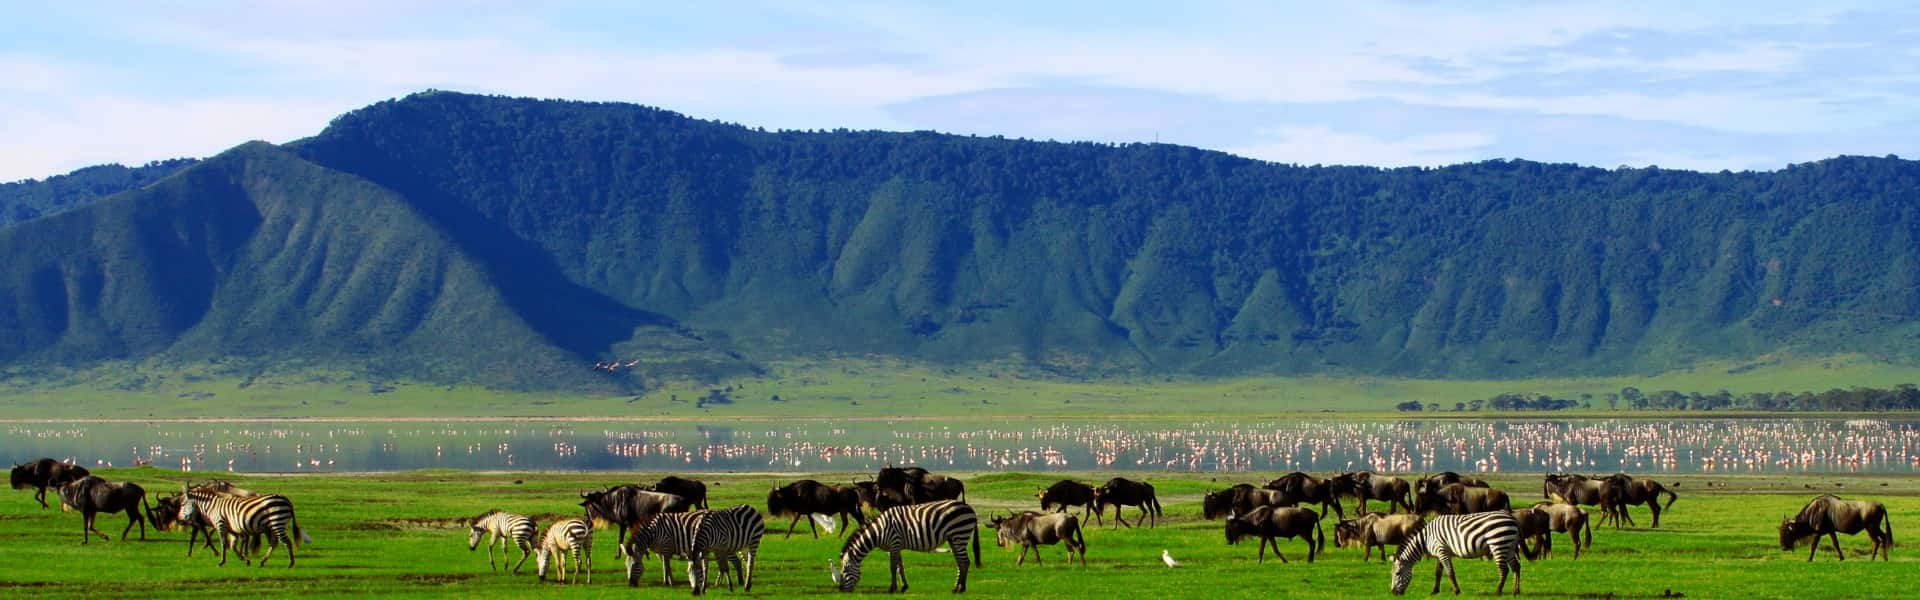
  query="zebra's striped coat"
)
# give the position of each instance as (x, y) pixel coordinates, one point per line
(1493, 535)
(235, 517)
(917, 527)
(569, 536)
(729, 535)
(669, 535)
(505, 530)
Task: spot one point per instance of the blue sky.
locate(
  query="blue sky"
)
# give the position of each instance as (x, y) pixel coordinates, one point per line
(1749, 85)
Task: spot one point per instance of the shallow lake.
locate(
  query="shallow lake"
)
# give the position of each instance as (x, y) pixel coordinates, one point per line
(1521, 445)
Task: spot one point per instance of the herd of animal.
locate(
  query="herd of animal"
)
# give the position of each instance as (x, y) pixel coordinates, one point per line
(1446, 516)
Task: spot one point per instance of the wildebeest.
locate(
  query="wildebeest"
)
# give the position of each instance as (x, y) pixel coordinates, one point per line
(693, 490)
(1271, 523)
(806, 497)
(45, 473)
(1459, 499)
(1640, 491)
(92, 495)
(1031, 530)
(1367, 485)
(628, 507)
(1301, 488)
(1559, 518)
(1830, 516)
(1066, 493)
(1239, 499)
(1371, 530)
(1120, 493)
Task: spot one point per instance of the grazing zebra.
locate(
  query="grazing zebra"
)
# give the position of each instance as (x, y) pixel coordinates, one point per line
(1493, 535)
(506, 530)
(917, 527)
(568, 536)
(727, 536)
(670, 535)
(235, 517)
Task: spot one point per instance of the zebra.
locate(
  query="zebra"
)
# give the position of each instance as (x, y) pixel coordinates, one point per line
(728, 535)
(1446, 537)
(917, 527)
(566, 536)
(670, 535)
(506, 530)
(235, 517)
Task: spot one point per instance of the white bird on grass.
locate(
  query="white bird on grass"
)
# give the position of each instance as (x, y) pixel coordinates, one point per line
(1168, 558)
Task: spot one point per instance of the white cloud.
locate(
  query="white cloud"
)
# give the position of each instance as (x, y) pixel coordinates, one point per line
(1320, 145)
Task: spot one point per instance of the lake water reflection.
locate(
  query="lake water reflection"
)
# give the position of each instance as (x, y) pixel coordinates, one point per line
(1678, 446)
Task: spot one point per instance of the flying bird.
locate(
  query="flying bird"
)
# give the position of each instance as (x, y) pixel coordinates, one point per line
(1168, 558)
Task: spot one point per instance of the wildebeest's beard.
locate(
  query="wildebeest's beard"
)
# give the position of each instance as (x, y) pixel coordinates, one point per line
(21, 477)
(1791, 533)
(1237, 528)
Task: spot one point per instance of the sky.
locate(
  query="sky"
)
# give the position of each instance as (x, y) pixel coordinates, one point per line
(1689, 85)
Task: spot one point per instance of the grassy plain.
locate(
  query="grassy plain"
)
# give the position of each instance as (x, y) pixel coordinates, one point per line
(396, 535)
(871, 388)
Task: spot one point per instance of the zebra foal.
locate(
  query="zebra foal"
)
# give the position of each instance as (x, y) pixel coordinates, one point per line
(568, 536)
(505, 530)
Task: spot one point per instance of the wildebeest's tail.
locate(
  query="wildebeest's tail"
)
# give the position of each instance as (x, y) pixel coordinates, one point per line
(1319, 537)
(976, 547)
(1670, 497)
(1587, 524)
(1081, 538)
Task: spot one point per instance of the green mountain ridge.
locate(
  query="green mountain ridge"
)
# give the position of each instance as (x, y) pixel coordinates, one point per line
(512, 242)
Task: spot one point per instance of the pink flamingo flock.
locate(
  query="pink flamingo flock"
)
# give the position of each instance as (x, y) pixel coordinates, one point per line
(1688, 445)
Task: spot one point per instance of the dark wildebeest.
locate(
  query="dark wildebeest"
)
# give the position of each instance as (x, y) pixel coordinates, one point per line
(1066, 493)
(1830, 516)
(1640, 491)
(92, 495)
(694, 491)
(1446, 478)
(1121, 492)
(165, 515)
(1031, 530)
(45, 473)
(1367, 485)
(1560, 518)
(1459, 499)
(628, 507)
(899, 486)
(1375, 530)
(804, 498)
(1578, 490)
(1271, 523)
(1239, 499)
(1301, 488)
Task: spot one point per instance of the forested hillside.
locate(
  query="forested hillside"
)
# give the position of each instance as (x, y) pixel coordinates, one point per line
(35, 198)
(568, 233)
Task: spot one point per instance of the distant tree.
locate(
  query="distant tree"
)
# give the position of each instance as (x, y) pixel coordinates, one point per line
(1410, 406)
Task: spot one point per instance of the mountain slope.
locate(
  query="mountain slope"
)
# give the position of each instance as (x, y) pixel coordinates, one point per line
(260, 255)
(504, 241)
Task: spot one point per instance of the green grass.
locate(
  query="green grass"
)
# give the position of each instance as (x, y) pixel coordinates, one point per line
(871, 388)
(393, 535)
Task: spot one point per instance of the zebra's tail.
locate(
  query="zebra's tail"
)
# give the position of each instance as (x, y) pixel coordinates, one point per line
(299, 533)
(976, 548)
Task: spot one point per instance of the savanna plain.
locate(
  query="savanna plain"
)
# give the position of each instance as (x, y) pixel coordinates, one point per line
(404, 535)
